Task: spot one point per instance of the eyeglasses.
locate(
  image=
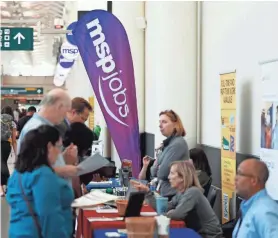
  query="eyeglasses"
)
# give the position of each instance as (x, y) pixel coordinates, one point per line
(83, 117)
(239, 173)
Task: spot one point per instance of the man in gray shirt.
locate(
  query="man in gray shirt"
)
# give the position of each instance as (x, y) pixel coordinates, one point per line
(54, 107)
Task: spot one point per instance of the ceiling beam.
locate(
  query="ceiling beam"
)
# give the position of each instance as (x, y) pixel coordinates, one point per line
(17, 21)
(55, 31)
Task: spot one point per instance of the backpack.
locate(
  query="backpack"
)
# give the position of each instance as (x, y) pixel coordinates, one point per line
(6, 127)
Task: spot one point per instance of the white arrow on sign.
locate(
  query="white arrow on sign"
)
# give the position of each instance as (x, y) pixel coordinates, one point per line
(19, 36)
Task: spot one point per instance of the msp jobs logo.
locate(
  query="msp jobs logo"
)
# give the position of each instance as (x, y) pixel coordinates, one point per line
(69, 51)
(119, 109)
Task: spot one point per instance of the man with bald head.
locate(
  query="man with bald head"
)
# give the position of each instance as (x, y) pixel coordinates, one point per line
(258, 211)
(54, 108)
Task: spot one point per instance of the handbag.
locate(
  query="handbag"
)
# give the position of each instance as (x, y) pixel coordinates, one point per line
(30, 209)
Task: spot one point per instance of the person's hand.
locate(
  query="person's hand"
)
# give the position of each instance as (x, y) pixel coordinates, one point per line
(169, 212)
(67, 171)
(139, 186)
(70, 154)
(96, 178)
(146, 161)
(84, 189)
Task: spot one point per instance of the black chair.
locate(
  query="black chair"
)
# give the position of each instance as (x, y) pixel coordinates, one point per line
(228, 228)
(207, 187)
(212, 196)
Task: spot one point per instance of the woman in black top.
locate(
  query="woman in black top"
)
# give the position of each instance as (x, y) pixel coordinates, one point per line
(202, 167)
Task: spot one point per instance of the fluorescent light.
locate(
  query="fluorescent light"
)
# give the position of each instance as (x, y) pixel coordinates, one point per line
(5, 14)
(3, 4)
(26, 4)
(29, 13)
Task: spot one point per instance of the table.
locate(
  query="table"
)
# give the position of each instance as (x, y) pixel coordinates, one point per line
(86, 228)
(174, 232)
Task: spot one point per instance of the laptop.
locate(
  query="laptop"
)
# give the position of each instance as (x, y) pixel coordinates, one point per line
(135, 203)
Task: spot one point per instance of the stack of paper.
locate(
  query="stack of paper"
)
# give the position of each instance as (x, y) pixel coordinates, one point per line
(102, 182)
(112, 210)
(91, 164)
(91, 219)
(93, 198)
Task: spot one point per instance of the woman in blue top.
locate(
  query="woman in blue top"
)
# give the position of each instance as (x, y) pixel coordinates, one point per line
(34, 180)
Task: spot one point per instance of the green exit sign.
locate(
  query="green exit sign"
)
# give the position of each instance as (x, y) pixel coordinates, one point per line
(16, 38)
(21, 91)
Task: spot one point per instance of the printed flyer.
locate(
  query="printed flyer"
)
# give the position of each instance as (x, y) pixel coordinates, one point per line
(269, 124)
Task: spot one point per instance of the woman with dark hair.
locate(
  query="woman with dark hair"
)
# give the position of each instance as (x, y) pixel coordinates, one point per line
(40, 201)
(201, 164)
(82, 137)
(8, 138)
(7, 110)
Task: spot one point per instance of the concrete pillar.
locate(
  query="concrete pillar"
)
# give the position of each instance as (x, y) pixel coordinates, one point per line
(171, 65)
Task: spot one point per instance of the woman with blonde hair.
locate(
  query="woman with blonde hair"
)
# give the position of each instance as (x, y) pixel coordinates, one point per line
(189, 204)
(173, 148)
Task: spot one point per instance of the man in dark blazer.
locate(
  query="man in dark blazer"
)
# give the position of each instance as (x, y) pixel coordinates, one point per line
(80, 110)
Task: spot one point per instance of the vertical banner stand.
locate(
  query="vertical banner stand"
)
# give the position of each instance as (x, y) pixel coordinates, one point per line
(228, 144)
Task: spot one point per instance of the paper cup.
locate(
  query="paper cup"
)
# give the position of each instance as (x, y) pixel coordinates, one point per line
(163, 224)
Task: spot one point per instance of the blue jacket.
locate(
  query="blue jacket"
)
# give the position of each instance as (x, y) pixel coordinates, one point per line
(50, 197)
(260, 217)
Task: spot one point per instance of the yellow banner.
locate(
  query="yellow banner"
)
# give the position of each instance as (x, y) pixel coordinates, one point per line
(228, 91)
(91, 115)
(228, 142)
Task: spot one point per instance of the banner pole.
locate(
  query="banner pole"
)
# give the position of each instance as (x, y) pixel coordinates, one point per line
(109, 6)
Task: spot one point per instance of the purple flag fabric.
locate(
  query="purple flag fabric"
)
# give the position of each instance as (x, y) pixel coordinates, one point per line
(104, 47)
